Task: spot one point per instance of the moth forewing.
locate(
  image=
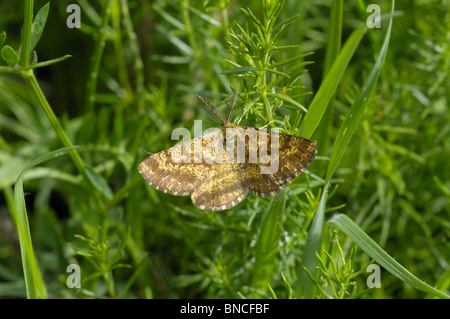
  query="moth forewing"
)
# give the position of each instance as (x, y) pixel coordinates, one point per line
(242, 144)
(213, 150)
(273, 160)
(181, 153)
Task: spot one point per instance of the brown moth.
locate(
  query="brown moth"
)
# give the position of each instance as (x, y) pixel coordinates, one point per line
(218, 175)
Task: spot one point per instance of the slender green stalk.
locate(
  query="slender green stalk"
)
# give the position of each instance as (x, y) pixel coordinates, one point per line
(26, 35)
(49, 62)
(97, 57)
(333, 48)
(313, 243)
(188, 25)
(344, 135)
(33, 280)
(34, 283)
(267, 243)
(134, 47)
(334, 34)
(122, 72)
(32, 82)
(7, 69)
(330, 83)
(29, 77)
(311, 121)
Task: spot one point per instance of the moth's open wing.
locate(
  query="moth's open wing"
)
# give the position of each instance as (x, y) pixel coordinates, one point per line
(295, 155)
(289, 157)
(192, 168)
(260, 184)
(175, 170)
(224, 188)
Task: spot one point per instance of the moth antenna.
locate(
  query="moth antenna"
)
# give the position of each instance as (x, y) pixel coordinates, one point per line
(143, 151)
(212, 109)
(242, 116)
(266, 125)
(235, 97)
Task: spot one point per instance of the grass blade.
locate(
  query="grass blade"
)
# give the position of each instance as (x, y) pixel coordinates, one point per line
(330, 83)
(345, 132)
(312, 246)
(354, 116)
(33, 280)
(381, 257)
(267, 243)
(332, 52)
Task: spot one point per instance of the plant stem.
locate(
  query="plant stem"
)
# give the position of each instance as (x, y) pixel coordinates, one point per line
(97, 57)
(187, 23)
(26, 36)
(79, 164)
(134, 47)
(32, 82)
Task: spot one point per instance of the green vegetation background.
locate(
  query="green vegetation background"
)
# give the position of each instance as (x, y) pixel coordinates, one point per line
(134, 70)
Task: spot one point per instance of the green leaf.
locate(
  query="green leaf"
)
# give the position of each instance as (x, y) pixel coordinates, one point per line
(241, 70)
(334, 34)
(205, 17)
(267, 243)
(382, 257)
(254, 19)
(312, 246)
(38, 26)
(33, 280)
(49, 62)
(166, 16)
(443, 283)
(19, 183)
(330, 83)
(332, 51)
(290, 60)
(100, 183)
(285, 22)
(2, 38)
(279, 73)
(47, 172)
(176, 41)
(355, 114)
(9, 55)
(344, 134)
(90, 13)
(287, 99)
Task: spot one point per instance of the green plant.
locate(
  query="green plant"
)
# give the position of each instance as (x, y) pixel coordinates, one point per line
(335, 272)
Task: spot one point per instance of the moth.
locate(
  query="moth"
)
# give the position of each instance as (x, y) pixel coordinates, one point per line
(217, 174)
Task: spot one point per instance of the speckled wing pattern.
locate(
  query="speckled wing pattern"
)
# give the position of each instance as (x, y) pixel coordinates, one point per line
(223, 189)
(179, 179)
(295, 155)
(218, 186)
